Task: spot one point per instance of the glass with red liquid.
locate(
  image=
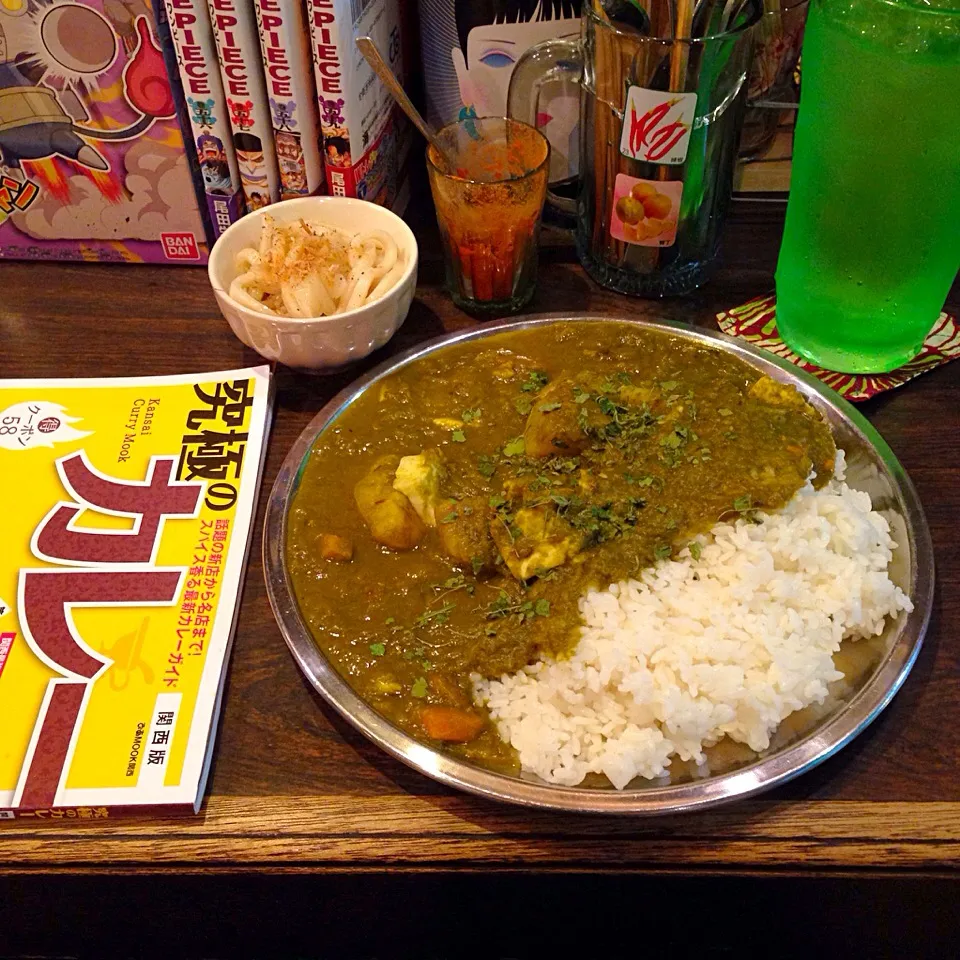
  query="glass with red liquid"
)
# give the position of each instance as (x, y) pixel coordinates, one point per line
(489, 199)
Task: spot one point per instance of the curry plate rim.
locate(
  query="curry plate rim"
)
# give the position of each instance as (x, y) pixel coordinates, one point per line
(762, 774)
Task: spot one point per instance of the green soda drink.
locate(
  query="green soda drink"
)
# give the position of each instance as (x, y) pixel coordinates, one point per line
(872, 238)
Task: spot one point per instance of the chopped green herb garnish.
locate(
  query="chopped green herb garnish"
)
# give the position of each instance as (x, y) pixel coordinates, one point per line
(438, 616)
(668, 386)
(500, 606)
(378, 649)
(743, 503)
(524, 405)
(662, 552)
(486, 466)
(645, 481)
(450, 517)
(419, 688)
(535, 382)
(661, 509)
(515, 447)
(580, 395)
(469, 415)
(426, 664)
(458, 436)
(390, 620)
(524, 610)
(607, 406)
(477, 564)
(675, 439)
(696, 551)
(496, 502)
(724, 412)
(548, 407)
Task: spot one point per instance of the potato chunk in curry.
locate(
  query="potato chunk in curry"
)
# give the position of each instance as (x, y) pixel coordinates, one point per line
(464, 533)
(419, 479)
(390, 515)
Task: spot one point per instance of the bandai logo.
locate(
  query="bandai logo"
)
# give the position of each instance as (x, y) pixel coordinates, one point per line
(180, 246)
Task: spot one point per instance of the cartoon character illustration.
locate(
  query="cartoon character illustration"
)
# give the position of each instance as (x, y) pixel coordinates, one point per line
(330, 114)
(240, 113)
(493, 34)
(337, 151)
(214, 165)
(293, 173)
(210, 148)
(88, 152)
(201, 112)
(283, 114)
(253, 170)
(34, 125)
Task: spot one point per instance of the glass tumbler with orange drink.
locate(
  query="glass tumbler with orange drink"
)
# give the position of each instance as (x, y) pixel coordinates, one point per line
(488, 189)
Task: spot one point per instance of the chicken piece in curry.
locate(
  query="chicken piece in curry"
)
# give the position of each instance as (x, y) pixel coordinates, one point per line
(448, 521)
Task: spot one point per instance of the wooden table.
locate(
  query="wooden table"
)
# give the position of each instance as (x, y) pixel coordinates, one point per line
(311, 836)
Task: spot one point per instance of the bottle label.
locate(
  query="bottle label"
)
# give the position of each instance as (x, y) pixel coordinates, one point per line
(645, 211)
(657, 125)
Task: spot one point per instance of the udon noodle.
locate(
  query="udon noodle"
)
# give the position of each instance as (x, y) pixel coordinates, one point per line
(307, 269)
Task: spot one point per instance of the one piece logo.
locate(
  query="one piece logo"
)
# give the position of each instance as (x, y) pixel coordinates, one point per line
(657, 125)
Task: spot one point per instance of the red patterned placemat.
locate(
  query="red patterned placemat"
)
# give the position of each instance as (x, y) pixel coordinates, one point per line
(756, 322)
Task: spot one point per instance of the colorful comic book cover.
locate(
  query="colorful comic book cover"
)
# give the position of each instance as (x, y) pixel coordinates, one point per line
(196, 56)
(358, 116)
(92, 162)
(285, 49)
(128, 510)
(238, 45)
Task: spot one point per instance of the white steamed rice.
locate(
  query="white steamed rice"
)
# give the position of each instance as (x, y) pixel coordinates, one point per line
(727, 645)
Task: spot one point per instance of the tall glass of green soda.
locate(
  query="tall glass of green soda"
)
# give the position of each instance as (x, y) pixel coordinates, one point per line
(871, 244)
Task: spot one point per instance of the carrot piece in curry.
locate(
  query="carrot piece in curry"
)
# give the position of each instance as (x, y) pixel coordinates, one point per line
(450, 723)
(332, 547)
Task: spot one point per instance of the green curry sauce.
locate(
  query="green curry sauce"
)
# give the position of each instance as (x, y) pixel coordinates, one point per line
(552, 460)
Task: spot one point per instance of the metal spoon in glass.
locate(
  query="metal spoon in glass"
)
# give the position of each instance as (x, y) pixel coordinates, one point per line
(372, 55)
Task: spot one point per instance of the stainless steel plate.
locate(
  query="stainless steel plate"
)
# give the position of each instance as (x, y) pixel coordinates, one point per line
(871, 467)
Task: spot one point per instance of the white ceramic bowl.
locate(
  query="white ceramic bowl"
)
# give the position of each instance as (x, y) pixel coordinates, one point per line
(321, 343)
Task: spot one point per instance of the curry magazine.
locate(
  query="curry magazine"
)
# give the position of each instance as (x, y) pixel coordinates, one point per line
(128, 509)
